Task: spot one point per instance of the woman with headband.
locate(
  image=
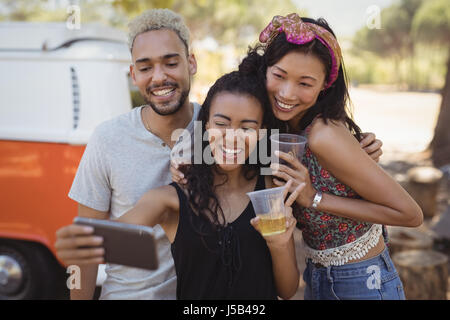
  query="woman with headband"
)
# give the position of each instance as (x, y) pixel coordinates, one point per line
(348, 198)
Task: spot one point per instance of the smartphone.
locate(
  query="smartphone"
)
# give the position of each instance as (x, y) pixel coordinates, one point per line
(125, 244)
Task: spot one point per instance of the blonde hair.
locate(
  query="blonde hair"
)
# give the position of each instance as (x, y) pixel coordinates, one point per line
(156, 19)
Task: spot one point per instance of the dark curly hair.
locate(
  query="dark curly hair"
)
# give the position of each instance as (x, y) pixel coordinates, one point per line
(332, 102)
(200, 177)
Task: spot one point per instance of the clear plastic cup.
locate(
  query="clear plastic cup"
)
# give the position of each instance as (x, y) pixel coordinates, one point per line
(269, 207)
(289, 143)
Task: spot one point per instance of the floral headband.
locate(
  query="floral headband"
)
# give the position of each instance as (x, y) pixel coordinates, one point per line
(299, 32)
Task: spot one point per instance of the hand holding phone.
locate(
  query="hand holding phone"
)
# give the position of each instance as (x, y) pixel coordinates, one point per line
(125, 244)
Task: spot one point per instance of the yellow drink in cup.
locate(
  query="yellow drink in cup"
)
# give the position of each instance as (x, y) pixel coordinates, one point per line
(270, 225)
(269, 207)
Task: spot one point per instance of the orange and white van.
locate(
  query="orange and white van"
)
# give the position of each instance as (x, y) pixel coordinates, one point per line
(56, 85)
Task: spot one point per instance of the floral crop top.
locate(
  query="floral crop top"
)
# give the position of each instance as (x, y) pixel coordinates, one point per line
(321, 230)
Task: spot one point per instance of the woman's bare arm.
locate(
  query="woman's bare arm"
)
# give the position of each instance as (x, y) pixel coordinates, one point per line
(157, 206)
(385, 201)
(282, 250)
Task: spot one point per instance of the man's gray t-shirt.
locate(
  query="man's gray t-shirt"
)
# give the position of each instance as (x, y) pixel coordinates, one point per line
(121, 162)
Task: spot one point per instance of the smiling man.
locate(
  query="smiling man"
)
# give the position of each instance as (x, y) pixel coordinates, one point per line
(161, 77)
(129, 155)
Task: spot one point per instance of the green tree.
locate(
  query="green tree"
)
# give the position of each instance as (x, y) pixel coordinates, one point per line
(431, 25)
(99, 11)
(393, 39)
(234, 22)
(38, 10)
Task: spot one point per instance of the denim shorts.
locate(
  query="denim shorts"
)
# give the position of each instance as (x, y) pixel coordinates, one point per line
(372, 279)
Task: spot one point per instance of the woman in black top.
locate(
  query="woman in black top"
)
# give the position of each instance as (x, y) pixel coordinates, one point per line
(235, 265)
(217, 253)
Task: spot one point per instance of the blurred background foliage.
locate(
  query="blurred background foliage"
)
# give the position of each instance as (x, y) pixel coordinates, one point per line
(409, 51)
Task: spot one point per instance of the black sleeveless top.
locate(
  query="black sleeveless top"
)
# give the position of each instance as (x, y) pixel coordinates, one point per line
(232, 263)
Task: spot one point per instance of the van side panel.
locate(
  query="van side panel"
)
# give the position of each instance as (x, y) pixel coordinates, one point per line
(35, 178)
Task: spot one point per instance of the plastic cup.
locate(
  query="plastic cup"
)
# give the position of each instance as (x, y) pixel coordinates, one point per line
(289, 143)
(269, 207)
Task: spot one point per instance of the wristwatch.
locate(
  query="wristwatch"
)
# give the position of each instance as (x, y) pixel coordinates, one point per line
(317, 199)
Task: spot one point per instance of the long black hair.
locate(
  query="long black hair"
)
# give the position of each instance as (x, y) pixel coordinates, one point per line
(200, 177)
(332, 102)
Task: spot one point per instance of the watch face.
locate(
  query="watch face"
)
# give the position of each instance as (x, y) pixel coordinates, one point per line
(317, 199)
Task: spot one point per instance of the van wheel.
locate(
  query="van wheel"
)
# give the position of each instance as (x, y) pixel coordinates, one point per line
(29, 271)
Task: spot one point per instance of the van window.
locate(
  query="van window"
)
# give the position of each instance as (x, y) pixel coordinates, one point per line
(35, 99)
(136, 98)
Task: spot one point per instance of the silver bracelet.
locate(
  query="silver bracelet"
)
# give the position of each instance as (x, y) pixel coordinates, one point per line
(317, 199)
